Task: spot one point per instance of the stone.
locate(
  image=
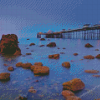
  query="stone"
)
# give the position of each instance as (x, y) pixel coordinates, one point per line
(19, 64)
(73, 85)
(38, 63)
(54, 56)
(51, 44)
(27, 65)
(66, 64)
(32, 90)
(41, 70)
(22, 98)
(64, 48)
(27, 48)
(62, 53)
(89, 57)
(28, 53)
(96, 49)
(41, 45)
(66, 93)
(9, 45)
(27, 39)
(88, 45)
(42, 39)
(96, 75)
(31, 87)
(73, 98)
(98, 56)
(5, 64)
(32, 44)
(4, 76)
(75, 54)
(91, 71)
(10, 68)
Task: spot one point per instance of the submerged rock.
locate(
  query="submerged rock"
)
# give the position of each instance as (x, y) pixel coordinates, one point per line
(54, 56)
(73, 98)
(89, 57)
(91, 71)
(41, 45)
(88, 45)
(32, 90)
(42, 39)
(4, 76)
(26, 65)
(51, 44)
(75, 54)
(74, 85)
(66, 64)
(28, 53)
(9, 45)
(19, 64)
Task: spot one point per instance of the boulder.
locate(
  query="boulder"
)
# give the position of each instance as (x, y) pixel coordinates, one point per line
(19, 64)
(66, 64)
(38, 63)
(98, 56)
(75, 54)
(73, 98)
(89, 57)
(88, 45)
(28, 53)
(91, 71)
(9, 45)
(54, 56)
(4, 76)
(51, 44)
(27, 65)
(10, 68)
(74, 85)
(41, 70)
(41, 45)
(42, 39)
(66, 93)
(32, 44)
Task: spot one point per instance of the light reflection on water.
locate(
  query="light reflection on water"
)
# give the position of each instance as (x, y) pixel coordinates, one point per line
(49, 86)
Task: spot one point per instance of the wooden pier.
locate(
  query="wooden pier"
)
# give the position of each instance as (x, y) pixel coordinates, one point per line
(81, 33)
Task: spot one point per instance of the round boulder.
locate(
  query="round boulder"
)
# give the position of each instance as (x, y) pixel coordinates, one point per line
(88, 45)
(74, 85)
(89, 57)
(98, 56)
(4, 76)
(51, 44)
(10, 68)
(66, 64)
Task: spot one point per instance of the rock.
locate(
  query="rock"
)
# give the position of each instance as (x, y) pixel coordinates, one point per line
(9, 45)
(27, 39)
(62, 53)
(88, 45)
(51, 44)
(64, 48)
(27, 65)
(58, 48)
(28, 53)
(96, 49)
(42, 39)
(89, 57)
(91, 71)
(27, 48)
(32, 90)
(19, 64)
(96, 99)
(37, 81)
(5, 64)
(32, 44)
(22, 98)
(98, 56)
(66, 64)
(74, 85)
(31, 87)
(38, 63)
(66, 93)
(4, 76)
(41, 70)
(73, 98)
(32, 67)
(10, 68)
(41, 45)
(54, 56)
(75, 54)
(96, 75)
(32, 50)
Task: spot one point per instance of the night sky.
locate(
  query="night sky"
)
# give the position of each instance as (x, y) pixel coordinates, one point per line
(27, 17)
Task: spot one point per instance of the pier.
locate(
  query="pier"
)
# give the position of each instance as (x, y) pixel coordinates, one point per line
(81, 33)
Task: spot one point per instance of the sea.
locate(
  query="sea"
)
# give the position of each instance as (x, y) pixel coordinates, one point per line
(50, 86)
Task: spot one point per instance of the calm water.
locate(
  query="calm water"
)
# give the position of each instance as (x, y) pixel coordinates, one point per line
(50, 87)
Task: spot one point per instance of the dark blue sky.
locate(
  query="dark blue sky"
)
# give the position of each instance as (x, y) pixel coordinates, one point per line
(27, 17)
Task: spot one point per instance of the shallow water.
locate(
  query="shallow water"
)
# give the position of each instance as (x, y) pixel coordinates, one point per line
(50, 86)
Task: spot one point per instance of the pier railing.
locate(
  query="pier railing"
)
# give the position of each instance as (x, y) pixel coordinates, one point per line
(80, 33)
